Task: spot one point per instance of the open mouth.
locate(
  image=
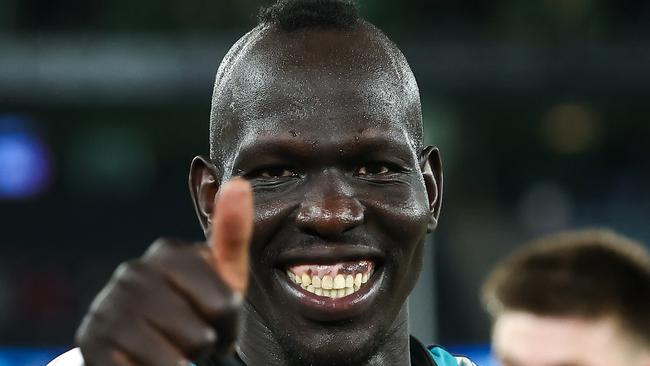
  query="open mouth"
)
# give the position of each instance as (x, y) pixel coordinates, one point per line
(332, 280)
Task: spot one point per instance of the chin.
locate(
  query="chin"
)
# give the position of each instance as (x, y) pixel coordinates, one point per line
(312, 327)
(340, 344)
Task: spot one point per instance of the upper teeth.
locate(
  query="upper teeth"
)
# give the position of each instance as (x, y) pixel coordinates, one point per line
(327, 286)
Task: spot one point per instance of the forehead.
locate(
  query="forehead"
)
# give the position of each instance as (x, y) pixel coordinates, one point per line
(529, 340)
(320, 84)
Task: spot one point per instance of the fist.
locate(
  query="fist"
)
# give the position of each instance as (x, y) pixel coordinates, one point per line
(179, 301)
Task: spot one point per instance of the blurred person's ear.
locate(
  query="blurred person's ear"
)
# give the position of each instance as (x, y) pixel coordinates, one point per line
(431, 166)
(204, 185)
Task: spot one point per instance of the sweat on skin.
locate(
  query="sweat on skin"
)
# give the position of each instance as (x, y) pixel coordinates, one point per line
(324, 125)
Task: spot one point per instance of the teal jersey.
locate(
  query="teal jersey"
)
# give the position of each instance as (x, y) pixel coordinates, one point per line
(420, 356)
(444, 358)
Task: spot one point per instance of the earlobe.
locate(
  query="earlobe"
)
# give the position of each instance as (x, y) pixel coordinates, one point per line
(204, 185)
(431, 166)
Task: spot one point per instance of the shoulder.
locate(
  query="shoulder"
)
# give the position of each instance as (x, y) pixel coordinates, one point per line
(444, 358)
(70, 358)
(439, 355)
(434, 356)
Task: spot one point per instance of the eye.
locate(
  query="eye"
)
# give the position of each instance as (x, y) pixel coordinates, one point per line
(272, 173)
(372, 169)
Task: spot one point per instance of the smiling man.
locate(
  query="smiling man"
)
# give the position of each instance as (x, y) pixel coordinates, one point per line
(319, 113)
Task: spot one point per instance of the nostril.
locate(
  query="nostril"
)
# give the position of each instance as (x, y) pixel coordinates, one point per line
(330, 218)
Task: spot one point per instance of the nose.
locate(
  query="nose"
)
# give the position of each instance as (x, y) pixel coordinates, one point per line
(329, 213)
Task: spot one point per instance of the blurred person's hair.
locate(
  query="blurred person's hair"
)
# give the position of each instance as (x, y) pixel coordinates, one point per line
(589, 274)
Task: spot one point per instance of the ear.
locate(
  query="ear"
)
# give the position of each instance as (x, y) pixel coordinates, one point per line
(431, 166)
(204, 186)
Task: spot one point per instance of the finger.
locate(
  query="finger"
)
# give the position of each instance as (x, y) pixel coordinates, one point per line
(122, 359)
(126, 337)
(98, 348)
(179, 323)
(166, 307)
(232, 227)
(146, 346)
(106, 356)
(189, 269)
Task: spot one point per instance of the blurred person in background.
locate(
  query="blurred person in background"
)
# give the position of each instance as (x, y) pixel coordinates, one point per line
(579, 298)
(319, 112)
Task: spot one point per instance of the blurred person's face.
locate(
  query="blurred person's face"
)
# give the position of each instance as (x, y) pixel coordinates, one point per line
(323, 133)
(524, 339)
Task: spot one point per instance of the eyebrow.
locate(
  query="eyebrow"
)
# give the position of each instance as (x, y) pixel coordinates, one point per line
(289, 148)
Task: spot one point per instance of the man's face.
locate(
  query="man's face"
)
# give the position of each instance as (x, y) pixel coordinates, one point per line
(523, 339)
(320, 128)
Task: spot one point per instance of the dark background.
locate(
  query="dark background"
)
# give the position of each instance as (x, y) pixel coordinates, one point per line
(539, 106)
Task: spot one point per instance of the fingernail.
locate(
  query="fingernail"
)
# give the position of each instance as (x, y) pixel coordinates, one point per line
(210, 335)
(237, 298)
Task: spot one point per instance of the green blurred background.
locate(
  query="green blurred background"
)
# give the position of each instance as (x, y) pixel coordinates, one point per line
(540, 108)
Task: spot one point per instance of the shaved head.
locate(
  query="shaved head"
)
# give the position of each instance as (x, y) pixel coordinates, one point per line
(318, 112)
(321, 113)
(329, 60)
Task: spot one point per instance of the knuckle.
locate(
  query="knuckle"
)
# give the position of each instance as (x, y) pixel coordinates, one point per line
(93, 335)
(82, 336)
(168, 256)
(129, 274)
(128, 269)
(223, 308)
(201, 341)
(131, 282)
(101, 323)
(160, 249)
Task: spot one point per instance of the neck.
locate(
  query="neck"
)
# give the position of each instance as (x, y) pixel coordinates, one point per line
(258, 345)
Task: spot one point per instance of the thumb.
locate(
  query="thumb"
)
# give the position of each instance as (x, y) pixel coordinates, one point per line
(232, 227)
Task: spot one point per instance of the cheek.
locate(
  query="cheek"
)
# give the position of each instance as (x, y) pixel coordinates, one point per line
(402, 217)
(270, 216)
(414, 266)
(401, 212)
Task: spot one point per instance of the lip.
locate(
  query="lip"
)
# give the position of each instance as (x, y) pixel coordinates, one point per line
(325, 309)
(329, 253)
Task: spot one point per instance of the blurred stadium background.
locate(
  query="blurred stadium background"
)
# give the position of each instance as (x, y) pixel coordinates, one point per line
(540, 108)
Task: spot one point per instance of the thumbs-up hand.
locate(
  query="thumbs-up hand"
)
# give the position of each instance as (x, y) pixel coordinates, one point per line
(231, 233)
(179, 301)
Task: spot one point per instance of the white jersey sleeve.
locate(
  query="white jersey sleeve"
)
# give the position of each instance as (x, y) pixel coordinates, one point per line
(463, 361)
(70, 358)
